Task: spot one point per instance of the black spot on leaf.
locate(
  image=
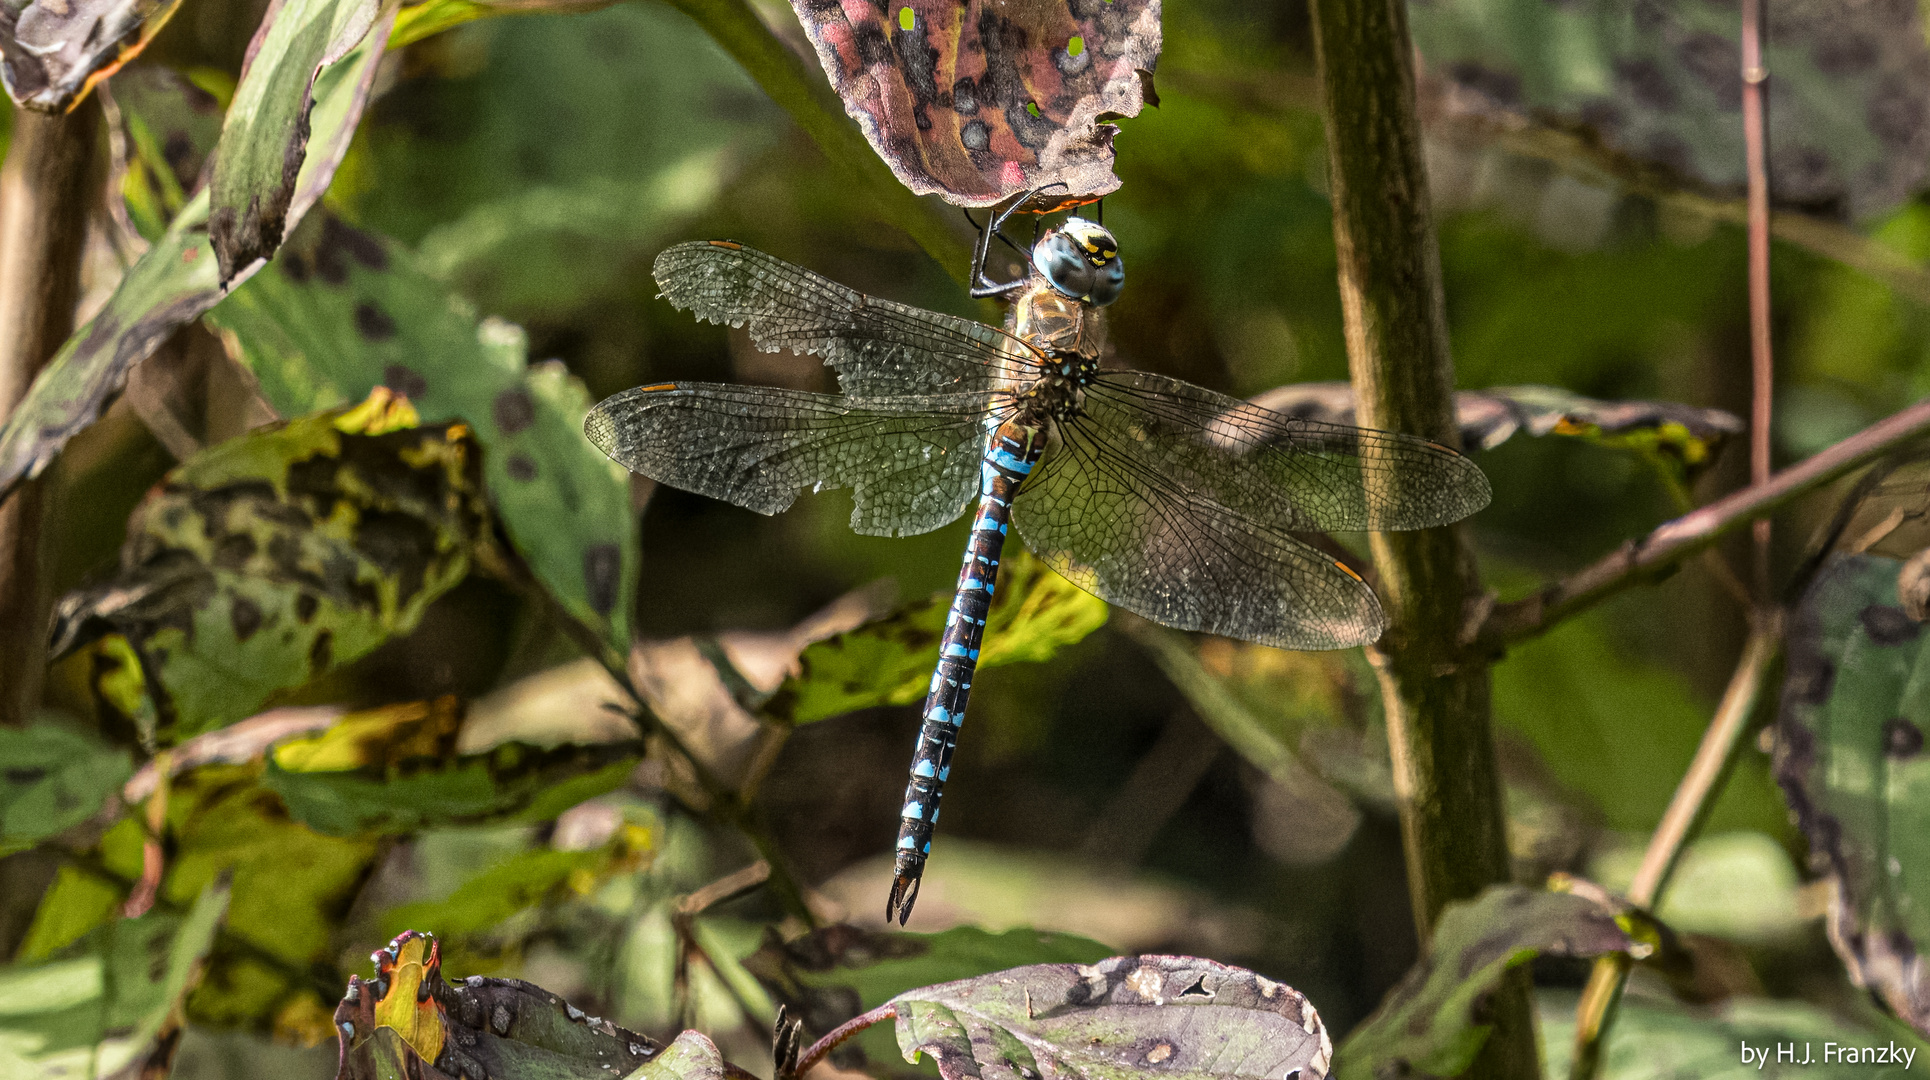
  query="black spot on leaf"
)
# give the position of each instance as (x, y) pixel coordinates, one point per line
(293, 266)
(321, 655)
(1646, 83)
(514, 410)
(1502, 86)
(404, 381)
(1887, 624)
(1901, 738)
(305, 607)
(520, 468)
(372, 322)
(245, 615)
(602, 573)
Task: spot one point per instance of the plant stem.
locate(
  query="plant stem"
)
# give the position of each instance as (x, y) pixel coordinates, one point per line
(803, 93)
(1761, 359)
(45, 197)
(1437, 698)
(1655, 554)
(842, 1032)
(1687, 811)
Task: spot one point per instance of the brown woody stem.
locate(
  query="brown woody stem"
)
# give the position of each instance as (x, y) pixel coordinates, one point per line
(842, 1032)
(1437, 698)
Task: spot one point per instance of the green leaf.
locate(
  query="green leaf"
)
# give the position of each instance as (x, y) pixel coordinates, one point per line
(410, 1017)
(833, 974)
(269, 559)
(394, 770)
(99, 1009)
(54, 778)
(56, 51)
(418, 21)
(691, 1057)
(1126, 1017)
(341, 312)
(171, 285)
(171, 127)
(1658, 1040)
(1849, 755)
(1035, 613)
(264, 138)
(1427, 1026)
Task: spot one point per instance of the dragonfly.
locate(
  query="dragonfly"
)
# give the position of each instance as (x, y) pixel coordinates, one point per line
(1161, 497)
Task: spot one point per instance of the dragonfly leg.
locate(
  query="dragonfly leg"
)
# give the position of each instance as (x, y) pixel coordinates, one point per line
(982, 285)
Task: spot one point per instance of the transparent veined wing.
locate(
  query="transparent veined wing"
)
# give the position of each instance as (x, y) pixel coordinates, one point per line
(1288, 473)
(912, 463)
(878, 347)
(1097, 510)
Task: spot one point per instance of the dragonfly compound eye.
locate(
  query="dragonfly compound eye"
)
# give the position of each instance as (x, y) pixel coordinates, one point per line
(1080, 259)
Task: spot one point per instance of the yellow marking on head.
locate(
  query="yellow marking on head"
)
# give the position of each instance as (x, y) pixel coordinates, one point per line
(1349, 571)
(654, 387)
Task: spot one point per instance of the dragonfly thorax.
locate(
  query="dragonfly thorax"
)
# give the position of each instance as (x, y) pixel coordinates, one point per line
(1057, 325)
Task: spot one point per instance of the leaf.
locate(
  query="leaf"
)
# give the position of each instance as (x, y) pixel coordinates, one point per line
(54, 778)
(691, 1057)
(977, 102)
(1848, 107)
(830, 975)
(171, 285)
(417, 21)
(56, 51)
(262, 562)
(1427, 1026)
(394, 770)
(264, 138)
(171, 127)
(1849, 756)
(1035, 613)
(100, 1008)
(1124, 1017)
(341, 312)
(1654, 1039)
(1685, 434)
(410, 1021)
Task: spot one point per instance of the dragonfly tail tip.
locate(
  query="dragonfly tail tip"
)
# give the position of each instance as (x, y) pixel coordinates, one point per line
(904, 893)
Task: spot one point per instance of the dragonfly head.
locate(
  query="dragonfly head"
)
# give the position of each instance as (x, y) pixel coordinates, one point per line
(1080, 260)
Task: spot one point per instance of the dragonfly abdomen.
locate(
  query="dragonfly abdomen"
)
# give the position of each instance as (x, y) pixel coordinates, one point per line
(1015, 448)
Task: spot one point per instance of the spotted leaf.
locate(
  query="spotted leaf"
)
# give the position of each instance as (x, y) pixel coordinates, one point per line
(1849, 757)
(411, 1021)
(1035, 613)
(830, 975)
(1429, 1025)
(54, 778)
(1124, 1017)
(269, 559)
(171, 126)
(172, 284)
(979, 101)
(395, 770)
(342, 311)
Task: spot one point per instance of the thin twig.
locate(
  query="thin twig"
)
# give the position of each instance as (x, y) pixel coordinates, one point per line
(842, 1032)
(1761, 359)
(1688, 809)
(1674, 541)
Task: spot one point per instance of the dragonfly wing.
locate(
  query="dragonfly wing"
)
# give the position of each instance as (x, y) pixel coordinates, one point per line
(1292, 474)
(1099, 512)
(912, 463)
(878, 347)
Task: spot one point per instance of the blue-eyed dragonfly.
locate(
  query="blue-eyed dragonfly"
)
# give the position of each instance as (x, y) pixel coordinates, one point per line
(1164, 498)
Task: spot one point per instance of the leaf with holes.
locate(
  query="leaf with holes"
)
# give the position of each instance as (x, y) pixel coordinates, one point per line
(267, 560)
(103, 1004)
(342, 311)
(1124, 1017)
(54, 778)
(1849, 757)
(979, 101)
(1034, 614)
(1428, 1025)
(55, 51)
(265, 136)
(1684, 435)
(395, 770)
(1658, 86)
(171, 285)
(829, 976)
(411, 1021)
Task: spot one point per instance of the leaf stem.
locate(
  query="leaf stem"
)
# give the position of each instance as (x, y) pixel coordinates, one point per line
(842, 1032)
(1761, 356)
(1688, 810)
(1657, 553)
